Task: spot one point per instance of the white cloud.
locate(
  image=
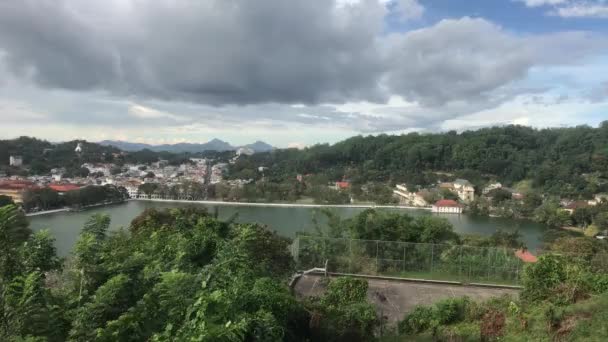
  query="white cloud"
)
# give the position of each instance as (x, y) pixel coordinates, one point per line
(409, 9)
(582, 10)
(538, 3)
(143, 112)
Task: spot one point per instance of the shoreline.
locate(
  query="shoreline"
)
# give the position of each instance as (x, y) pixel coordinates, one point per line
(281, 205)
(65, 209)
(238, 204)
(46, 212)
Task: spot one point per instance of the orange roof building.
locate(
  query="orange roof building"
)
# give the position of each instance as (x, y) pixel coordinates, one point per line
(15, 189)
(64, 187)
(525, 256)
(447, 206)
(342, 185)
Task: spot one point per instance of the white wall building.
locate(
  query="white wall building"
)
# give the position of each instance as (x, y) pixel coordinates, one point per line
(491, 187)
(409, 198)
(464, 189)
(447, 207)
(16, 161)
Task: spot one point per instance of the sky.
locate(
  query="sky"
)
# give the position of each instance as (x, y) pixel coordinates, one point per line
(298, 72)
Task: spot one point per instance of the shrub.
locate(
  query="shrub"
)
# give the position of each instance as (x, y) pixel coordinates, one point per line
(451, 310)
(424, 318)
(421, 319)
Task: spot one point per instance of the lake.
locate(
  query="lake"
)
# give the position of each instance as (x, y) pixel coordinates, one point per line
(66, 226)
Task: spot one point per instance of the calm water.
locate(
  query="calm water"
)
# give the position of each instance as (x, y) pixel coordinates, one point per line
(65, 226)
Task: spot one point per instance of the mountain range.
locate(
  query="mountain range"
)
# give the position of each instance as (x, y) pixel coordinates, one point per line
(212, 145)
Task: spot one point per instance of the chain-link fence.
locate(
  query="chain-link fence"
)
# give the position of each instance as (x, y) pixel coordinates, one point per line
(487, 265)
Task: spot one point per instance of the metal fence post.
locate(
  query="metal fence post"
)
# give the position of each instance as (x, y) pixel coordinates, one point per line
(405, 244)
(432, 256)
(377, 268)
(489, 261)
(460, 264)
(350, 257)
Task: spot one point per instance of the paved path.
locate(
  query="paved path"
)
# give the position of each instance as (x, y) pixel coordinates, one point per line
(46, 212)
(394, 298)
(285, 205)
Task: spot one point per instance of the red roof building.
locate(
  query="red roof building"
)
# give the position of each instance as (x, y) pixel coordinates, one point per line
(447, 203)
(64, 187)
(15, 189)
(447, 206)
(342, 185)
(525, 256)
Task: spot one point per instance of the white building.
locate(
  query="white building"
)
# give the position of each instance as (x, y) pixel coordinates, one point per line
(133, 191)
(217, 172)
(464, 189)
(245, 150)
(446, 206)
(409, 198)
(16, 161)
(490, 187)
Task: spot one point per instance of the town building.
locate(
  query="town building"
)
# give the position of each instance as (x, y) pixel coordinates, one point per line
(490, 187)
(343, 185)
(15, 189)
(465, 190)
(446, 206)
(525, 256)
(217, 172)
(15, 161)
(244, 150)
(572, 206)
(407, 197)
(63, 188)
(598, 198)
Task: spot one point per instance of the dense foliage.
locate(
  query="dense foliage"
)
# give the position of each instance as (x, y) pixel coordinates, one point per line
(564, 161)
(47, 198)
(40, 156)
(175, 275)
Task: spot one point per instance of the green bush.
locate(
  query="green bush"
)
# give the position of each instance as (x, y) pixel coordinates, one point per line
(451, 310)
(421, 319)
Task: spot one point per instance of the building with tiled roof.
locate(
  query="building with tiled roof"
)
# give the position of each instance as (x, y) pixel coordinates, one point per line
(447, 206)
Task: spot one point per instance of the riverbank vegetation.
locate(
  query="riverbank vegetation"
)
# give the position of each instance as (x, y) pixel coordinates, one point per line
(48, 199)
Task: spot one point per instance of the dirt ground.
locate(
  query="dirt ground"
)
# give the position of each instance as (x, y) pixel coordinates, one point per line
(394, 298)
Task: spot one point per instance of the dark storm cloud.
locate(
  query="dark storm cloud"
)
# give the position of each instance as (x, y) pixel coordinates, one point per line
(217, 52)
(271, 53)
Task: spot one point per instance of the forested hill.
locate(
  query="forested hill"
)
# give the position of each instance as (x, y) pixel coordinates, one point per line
(558, 160)
(41, 155)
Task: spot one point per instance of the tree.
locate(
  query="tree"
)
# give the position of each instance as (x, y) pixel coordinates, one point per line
(582, 216)
(14, 232)
(552, 215)
(39, 253)
(448, 194)
(435, 230)
(148, 189)
(498, 196)
(6, 200)
(345, 313)
(601, 220)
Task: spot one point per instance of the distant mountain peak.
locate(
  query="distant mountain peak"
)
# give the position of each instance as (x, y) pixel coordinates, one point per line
(214, 144)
